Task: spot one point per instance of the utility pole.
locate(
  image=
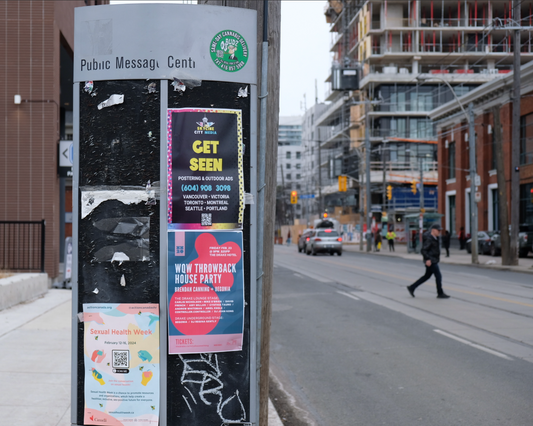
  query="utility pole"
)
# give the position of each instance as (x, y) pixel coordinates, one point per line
(473, 174)
(383, 150)
(421, 192)
(320, 209)
(503, 210)
(515, 136)
(367, 164)
(361, 204)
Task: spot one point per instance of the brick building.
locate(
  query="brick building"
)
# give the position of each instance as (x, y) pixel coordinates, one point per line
(453, 153)
(36, 51)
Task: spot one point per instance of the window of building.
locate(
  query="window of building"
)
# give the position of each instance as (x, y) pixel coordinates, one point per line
(288, 155)
(526, 139)
(288, 166)
(526, 204)
(493, 150)
(298, 176)
(495, 212)
(298, 155)
(298, 166)
(451, 214)
(451, 160)
(288, 176)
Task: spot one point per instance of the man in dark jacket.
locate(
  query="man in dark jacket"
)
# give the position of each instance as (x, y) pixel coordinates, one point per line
(431, 252)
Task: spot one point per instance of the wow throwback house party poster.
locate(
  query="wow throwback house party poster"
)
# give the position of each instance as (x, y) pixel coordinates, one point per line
(121, 359)
(205, 169)
(205, 291)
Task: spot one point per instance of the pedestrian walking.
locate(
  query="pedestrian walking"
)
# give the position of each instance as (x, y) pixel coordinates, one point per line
(289, 238)
(431, 253)
(378, 241)
(391, 235)
(446, 242)
(462, 238)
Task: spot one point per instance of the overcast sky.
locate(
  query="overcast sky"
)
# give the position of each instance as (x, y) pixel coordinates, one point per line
(305, 57)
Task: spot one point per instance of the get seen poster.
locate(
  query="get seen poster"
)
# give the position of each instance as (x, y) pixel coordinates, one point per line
(121, 359)
(205, 291)
(205, 169)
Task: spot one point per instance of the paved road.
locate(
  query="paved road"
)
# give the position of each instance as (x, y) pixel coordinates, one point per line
(352, 347)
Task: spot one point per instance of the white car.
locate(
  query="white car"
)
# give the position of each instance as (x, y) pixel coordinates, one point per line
(324, 240)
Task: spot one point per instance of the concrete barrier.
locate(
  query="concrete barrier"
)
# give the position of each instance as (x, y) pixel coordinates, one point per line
(21, 288)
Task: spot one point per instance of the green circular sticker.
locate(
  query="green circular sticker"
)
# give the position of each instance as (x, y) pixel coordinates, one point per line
(229, 51)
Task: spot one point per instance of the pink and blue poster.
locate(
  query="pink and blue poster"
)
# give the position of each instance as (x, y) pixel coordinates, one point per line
(205, 291)
(121, 360)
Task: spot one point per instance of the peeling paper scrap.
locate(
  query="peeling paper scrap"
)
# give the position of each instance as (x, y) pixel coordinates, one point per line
(96, 291)
(178, 85)
(120, 257)
(113, 100)
(243, 93)
(89, 86)
(123, 281)
(93, 198)
(248, 198)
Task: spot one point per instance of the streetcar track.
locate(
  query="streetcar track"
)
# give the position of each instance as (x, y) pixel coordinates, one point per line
(372, 272)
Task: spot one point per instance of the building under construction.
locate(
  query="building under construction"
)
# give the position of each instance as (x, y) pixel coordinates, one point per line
(393, 62)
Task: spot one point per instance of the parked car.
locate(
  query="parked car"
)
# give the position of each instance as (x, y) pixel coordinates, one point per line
(304, 238)
(525, 241)
(484, 239)
(324, 240)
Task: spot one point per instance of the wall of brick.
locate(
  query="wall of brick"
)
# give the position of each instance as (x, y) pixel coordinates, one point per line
(483, 161)
(30, 33)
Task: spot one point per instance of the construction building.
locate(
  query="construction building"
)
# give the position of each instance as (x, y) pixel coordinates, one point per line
(407, 56)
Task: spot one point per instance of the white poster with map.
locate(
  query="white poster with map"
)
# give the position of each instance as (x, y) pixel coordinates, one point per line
(121, 360)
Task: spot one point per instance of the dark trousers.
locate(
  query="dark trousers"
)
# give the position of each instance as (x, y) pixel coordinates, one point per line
(447, 251)
(430, 270)
(391, 245)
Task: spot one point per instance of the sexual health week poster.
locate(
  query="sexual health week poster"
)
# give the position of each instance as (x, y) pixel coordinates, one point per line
(121, 359)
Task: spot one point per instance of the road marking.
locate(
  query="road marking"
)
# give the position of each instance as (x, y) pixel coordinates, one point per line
(474, 345)
(397, 277)
(348, 295)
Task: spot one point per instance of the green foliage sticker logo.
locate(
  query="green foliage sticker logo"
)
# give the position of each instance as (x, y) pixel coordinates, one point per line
(229, 51)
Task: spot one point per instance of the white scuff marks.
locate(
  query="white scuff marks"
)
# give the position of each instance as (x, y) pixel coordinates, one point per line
(113, 100)
(123, 281)
(92, 197)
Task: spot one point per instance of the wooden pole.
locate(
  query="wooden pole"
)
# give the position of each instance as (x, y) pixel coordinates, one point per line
(503, 211)
(274, 24)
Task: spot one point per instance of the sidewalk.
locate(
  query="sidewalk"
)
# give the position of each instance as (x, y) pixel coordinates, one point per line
(457, 257)
(35, 362)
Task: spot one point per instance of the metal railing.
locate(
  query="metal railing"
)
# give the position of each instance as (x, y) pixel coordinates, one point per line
(22, 245)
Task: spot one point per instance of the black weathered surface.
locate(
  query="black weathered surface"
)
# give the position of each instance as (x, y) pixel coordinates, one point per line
(233, 373)
(117, 149)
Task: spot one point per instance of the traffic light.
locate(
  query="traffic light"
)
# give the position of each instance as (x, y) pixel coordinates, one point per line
(325, 215)
(343, 183)
(389, 192)
(531, 195)
(413, 186)
(294, 197)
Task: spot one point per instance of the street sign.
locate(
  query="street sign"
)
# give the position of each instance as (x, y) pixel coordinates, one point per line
(66, 158)
(477, 197)
(307, 196)
(477, 180)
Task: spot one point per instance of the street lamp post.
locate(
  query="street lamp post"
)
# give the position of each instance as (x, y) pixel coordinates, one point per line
(473, 169)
